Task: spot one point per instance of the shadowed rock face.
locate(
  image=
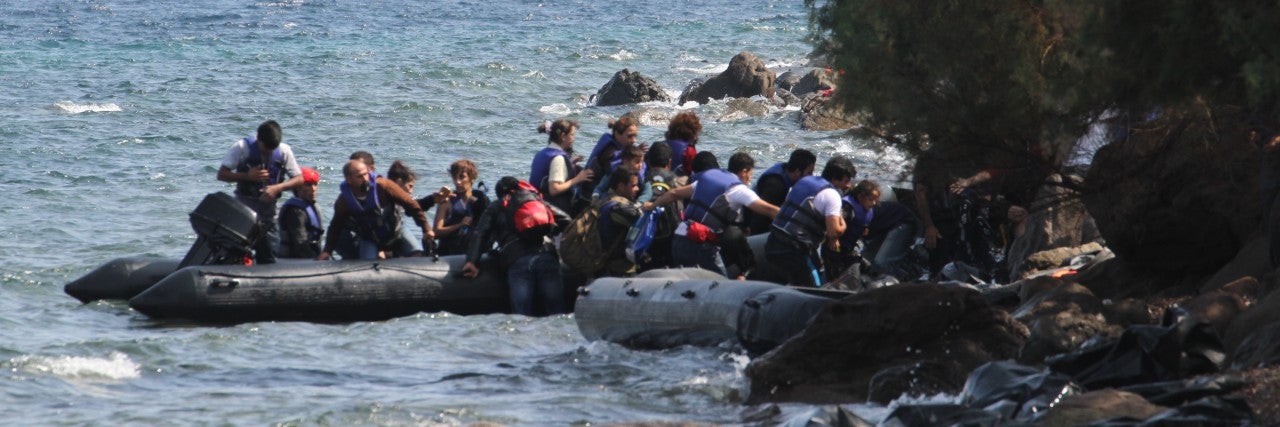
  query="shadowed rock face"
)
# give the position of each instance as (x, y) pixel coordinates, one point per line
(1178, 194)
(939, 332)
(746, 76)
(630, 87)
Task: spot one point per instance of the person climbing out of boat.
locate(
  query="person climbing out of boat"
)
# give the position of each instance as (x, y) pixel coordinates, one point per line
(774, 182)
(406, 179)
(715, 202)
(458, 210)
(633, 159)
(682, 136)
(810, 216)
(300, 224)
(522, 225)
(554, 170)
(262, 167)
(890, 231)
(617, 212)
(362, 205)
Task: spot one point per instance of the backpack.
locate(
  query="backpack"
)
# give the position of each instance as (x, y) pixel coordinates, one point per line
(580, 246)
(641, 235)
(530, 216)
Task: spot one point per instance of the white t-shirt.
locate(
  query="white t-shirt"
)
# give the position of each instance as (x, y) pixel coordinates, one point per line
(827, 202)
(240, 152)
(559, 171)
(739, 196)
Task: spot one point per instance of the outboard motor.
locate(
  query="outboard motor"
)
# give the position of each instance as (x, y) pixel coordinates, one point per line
(225, 231)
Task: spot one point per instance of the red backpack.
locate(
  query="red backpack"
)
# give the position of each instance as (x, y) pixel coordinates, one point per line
(530, 215)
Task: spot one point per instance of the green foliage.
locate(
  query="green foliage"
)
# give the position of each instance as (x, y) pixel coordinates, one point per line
(1023, 75)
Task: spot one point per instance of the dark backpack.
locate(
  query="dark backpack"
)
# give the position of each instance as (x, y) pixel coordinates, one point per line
(580, 245)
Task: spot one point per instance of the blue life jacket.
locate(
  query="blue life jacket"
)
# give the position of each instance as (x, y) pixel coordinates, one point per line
(314, 228)
(709, 206)
(275, 169)
(678, 149)
(369, 219)
(604, 142)
(798, 218)
(540, 174)
(779, 170)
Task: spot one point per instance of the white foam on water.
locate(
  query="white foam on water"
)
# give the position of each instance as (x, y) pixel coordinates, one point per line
(707, 69)
(556, 109)
(74, 108)
(115, 366)
(622, 55)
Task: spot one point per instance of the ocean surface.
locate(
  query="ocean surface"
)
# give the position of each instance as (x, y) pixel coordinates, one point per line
(114, 116)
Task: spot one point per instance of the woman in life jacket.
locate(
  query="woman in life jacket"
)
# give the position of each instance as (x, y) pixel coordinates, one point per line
(406, 179)
(608, 151)
(457, 210)
(555, 171)
(682, 136)
(300, 224)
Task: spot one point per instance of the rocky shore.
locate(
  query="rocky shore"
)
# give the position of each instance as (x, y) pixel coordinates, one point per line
(1148, 270)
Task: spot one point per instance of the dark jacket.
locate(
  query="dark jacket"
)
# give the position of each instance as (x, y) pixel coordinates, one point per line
(496, 226)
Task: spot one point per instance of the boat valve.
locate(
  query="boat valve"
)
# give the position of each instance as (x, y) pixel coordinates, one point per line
(632, 292)
(227, 283)
(688, 294)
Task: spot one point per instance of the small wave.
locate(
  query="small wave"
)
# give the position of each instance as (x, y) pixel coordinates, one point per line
(622, 55)
(74, 108)
(706, 69)
(116, 366)
(556, 109)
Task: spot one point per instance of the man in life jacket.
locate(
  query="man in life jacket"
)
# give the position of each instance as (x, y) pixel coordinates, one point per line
(522, 225)
(712, 216)
(300, 226)
(618, 211)
(810, 216)
(774, 182)
(366, 206)
(262, 167)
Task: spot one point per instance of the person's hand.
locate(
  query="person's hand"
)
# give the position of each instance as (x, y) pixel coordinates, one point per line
(470, 271)
(429, 234)
(270, 194)
(466, 221)
(931, 236)
(833, 244)
(586, 174)
(959, 186)
(647, 206)
(382, 254)
(258, 173)
(324, 256)
(577, 159)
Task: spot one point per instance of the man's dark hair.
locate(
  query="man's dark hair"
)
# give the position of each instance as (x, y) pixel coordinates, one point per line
(800, 160)
(269, 134)
(363, 156)
(620, 176)
(741, 161)
(506, 185)
(838, 168)
(659, 155)
(704, 160)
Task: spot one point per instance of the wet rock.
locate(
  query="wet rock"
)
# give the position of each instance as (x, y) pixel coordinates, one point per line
(926, 378)
(630, 87)
(787, 80)
(822, 113)
(746, 77)
(1101, 405)
(742, 108)
(815, 81)
(952, 328)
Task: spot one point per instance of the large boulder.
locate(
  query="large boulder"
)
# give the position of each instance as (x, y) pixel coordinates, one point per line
(815, 81)
(746, 77)
(936, 333)
(1060, 320)
(630, 87)
(1180, 193)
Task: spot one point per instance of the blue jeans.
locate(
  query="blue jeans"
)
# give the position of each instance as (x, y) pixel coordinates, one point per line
(536, 275)
(702, 255)
(887, 250)
(352, 247)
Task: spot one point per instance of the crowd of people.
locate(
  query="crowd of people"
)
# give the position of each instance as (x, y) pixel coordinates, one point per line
(685, 208)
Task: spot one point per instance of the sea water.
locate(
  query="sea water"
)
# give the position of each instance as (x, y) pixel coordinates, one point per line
(114, 116)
